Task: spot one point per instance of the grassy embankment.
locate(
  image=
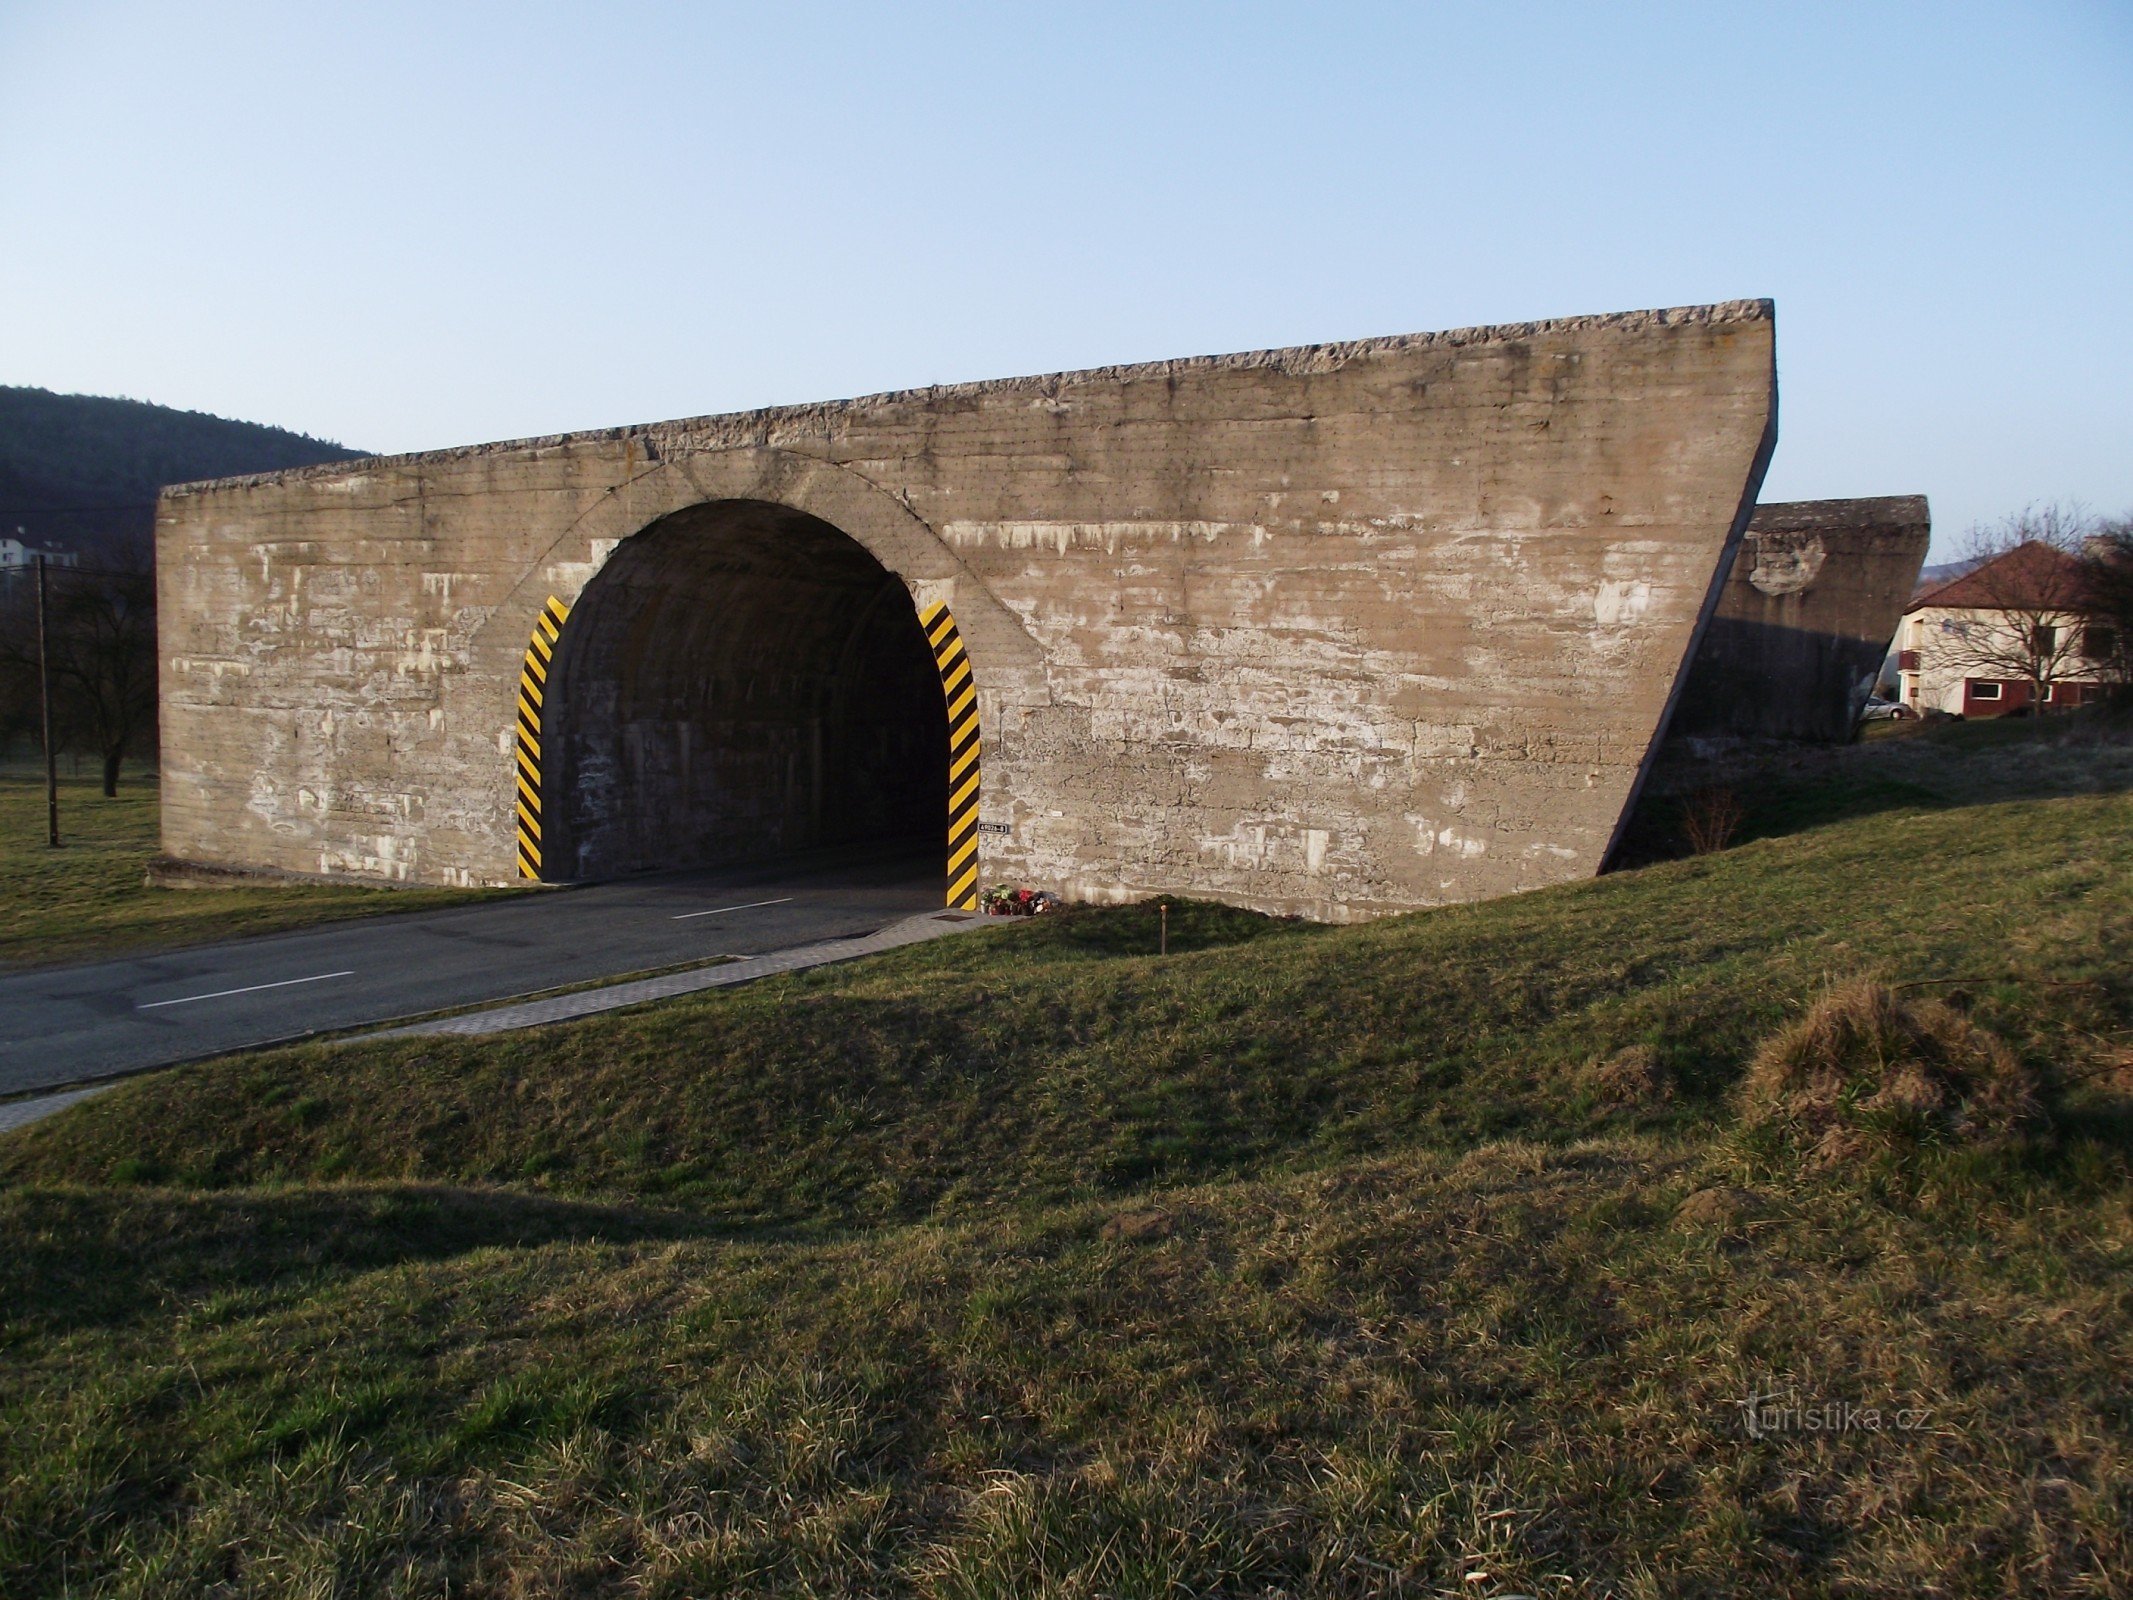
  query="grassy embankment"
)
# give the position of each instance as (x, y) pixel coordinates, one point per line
(88, 899)
(1309, 1260)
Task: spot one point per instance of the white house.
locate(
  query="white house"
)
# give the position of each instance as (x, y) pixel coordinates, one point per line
(14, 553)
(1983, 643)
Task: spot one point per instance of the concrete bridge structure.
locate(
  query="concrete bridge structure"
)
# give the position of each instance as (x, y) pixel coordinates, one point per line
(1334, 631)
(1809, 609)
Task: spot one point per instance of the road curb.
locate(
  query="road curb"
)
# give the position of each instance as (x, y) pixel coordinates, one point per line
(590, 1002)
(21, 1113)
(507, 1018)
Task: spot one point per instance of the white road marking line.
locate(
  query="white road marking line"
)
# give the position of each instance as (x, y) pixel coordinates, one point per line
(251, 988)
(722, 910)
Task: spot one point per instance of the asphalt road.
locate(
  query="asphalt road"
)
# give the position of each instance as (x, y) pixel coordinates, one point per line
(68, 1025)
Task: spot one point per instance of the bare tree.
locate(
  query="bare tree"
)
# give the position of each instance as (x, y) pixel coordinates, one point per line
(2107, 638)
(101, 632)
(2027, 585)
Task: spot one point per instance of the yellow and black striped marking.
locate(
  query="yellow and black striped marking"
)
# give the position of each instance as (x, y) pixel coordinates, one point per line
(532, 687)
(962, 694)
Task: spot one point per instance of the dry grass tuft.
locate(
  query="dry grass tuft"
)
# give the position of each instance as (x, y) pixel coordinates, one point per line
(1866, 1072)
(1139, 1227)
(1722, 1207)
(1634, 1076)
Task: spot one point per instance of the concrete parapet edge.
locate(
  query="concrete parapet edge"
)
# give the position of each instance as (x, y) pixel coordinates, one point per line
(725, 430)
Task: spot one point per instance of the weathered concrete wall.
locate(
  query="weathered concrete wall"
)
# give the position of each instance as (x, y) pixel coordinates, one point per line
(1805, 619)
(1335, 630)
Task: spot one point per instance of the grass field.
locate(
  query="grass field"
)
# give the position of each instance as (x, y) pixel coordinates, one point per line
(89, 899)
(1306, 1261)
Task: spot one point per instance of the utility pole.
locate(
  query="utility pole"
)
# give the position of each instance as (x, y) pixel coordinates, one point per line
(44, 693)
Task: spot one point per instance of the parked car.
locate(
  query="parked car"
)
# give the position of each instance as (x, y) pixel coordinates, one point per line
(1877, 709)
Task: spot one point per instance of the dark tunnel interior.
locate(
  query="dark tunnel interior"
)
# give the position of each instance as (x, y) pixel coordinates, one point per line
(741, 681)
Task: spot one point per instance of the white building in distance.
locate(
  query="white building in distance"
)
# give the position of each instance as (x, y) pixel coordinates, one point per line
(2002, 637)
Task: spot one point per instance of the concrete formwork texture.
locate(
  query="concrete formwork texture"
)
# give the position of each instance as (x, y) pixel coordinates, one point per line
(1331, 631)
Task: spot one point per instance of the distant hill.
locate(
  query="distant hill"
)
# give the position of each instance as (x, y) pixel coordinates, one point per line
(1929, 576)
(80, 472)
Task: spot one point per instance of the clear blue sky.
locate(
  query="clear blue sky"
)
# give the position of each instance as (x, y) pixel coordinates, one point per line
(414, 225)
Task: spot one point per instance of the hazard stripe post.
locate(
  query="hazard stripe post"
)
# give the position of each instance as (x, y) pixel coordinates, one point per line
(962, 697)
(532, 692)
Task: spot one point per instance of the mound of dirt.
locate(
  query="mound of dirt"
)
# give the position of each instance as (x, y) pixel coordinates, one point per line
(1867, 1071)
(1139, 1227)
(1723, 1207)
(1630, 1077)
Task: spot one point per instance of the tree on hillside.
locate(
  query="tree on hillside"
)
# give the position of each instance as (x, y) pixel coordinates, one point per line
(80, 472)
(100, 628)
(2026, 586)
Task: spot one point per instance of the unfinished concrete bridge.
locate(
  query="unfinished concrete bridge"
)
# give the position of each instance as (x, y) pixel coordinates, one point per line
(1335, 631)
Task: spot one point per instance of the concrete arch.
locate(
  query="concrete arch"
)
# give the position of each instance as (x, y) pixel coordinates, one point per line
(648, 485)
(740, 681)
(648, 490)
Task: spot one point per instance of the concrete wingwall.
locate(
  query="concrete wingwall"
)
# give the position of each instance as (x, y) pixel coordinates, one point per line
(1331, 631)
(1804, 622)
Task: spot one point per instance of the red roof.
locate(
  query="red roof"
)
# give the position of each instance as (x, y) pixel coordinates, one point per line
(2033, 575)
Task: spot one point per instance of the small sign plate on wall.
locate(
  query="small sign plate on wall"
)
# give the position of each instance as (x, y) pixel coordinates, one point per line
(1000, 828)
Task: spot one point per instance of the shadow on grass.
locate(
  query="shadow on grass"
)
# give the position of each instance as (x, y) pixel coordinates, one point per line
(106, 1257)
(1114, 932)
(1773, 790)
(1658, 829)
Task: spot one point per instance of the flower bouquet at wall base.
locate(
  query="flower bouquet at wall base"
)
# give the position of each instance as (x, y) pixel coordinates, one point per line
(1001, 901)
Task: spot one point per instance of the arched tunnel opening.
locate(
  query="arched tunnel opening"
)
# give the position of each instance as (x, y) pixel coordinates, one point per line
(740, 682)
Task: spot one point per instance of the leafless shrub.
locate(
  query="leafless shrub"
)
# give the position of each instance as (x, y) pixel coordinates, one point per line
(1711, 819)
